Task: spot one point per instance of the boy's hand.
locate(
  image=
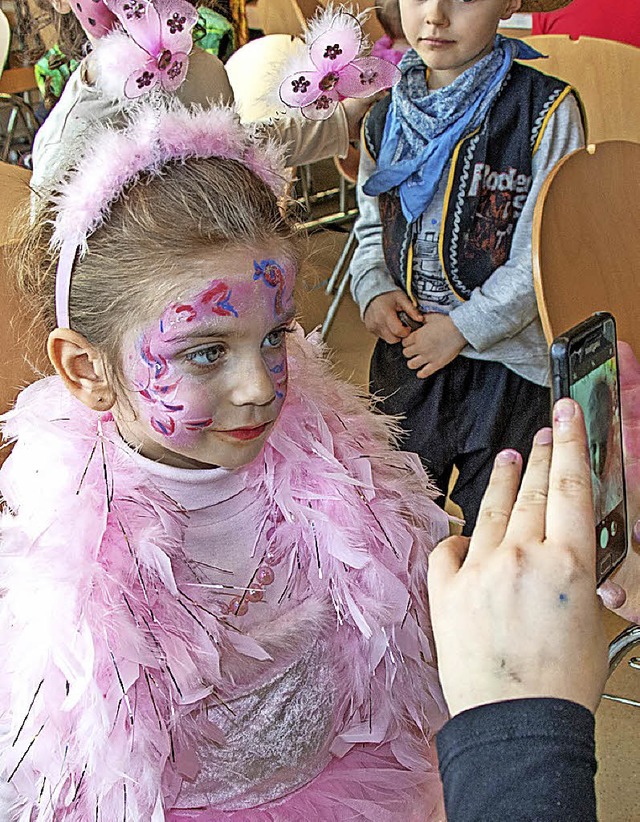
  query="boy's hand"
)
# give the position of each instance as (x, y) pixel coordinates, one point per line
(434, 345)
(514, 610)
(381, 316)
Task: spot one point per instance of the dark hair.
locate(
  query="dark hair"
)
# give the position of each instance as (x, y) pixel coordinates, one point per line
(388, 14)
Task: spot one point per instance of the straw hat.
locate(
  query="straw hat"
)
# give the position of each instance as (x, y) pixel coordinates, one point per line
(543, 5)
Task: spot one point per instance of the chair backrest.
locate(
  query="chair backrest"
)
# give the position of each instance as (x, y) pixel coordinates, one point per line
(20, 356)
(606, 75)
(5, 39)
(285, 16)
(586, 243)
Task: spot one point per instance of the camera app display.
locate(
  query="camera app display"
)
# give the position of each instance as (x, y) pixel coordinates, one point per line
(597, 394)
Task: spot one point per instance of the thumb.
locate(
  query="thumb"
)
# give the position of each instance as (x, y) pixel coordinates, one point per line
(405, 304)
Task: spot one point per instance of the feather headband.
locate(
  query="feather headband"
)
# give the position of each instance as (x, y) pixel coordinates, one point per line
(157, 133)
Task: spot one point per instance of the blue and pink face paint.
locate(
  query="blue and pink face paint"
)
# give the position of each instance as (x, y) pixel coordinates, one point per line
(181, 400)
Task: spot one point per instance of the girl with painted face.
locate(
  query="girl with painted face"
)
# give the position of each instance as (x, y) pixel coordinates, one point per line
(212, 559)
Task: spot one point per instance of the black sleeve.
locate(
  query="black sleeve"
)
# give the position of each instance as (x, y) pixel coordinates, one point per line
(525, 760)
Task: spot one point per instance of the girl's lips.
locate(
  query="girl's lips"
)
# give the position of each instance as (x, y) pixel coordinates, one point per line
(436, 42)
(246, 433)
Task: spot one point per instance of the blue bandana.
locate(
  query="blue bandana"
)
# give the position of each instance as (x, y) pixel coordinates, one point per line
(423, 127)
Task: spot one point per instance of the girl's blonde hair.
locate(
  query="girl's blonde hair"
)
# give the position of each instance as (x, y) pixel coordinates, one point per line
(140, 258)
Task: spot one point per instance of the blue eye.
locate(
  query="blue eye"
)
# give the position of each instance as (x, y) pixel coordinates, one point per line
(205, 356)
(275, 338)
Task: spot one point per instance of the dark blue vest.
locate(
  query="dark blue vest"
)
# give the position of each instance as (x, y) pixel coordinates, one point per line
(488, 184)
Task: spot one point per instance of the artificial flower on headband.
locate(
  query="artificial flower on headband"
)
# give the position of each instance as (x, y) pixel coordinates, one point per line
(95, 17)
(333, 67)
(149, 49)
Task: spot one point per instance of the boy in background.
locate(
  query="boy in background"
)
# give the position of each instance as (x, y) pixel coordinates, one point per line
(453, 162)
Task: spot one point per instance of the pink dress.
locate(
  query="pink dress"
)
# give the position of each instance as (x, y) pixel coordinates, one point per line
(213, 644)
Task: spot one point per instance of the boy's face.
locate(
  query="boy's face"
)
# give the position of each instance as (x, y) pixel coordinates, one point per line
(207, 378)
(452, 35)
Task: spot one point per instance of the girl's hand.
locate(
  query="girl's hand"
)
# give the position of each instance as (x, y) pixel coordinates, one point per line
(514, 609)
(434, 345)
(381, 316)
(355, 108)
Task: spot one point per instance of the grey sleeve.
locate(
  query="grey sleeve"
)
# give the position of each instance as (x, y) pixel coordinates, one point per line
(368, 271)
(506, 302)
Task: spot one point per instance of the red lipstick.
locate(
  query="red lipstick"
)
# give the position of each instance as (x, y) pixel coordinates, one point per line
(246, 433)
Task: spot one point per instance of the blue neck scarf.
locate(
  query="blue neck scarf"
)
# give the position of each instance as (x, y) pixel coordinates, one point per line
(423, 127)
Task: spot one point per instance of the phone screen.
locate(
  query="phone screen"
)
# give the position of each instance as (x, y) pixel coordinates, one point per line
(597, 393)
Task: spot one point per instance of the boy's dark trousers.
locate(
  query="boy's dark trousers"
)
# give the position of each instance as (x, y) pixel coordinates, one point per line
(461, 416)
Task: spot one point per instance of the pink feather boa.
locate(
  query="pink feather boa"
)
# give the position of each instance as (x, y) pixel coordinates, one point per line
(105, 663)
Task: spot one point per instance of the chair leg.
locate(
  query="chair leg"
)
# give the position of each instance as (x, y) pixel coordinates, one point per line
(621, 645)
(19, 108)
(339, 277)
(618, 649)
(11, 125)
(343, 259)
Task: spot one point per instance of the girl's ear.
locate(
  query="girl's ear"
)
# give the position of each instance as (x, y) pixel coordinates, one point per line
(82, 368)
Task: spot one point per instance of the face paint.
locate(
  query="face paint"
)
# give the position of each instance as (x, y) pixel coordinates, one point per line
(209, 376)
(272, 274)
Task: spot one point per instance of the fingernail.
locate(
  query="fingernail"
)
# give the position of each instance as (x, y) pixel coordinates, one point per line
(563, 412)
(508, 457)
(636, 531)
(544, 437)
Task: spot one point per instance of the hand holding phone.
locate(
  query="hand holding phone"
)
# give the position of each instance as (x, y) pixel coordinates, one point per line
(584, 367)
(405, 319)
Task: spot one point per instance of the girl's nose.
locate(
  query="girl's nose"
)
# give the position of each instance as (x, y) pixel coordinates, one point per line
(254, 385)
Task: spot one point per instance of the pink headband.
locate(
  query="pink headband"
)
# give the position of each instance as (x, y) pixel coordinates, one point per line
(157, 133)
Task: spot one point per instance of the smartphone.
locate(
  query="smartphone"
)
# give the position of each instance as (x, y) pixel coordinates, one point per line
(584, 366)
(405, 319)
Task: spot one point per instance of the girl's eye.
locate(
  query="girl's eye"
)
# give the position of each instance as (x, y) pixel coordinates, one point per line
(275, 338)
(205, 356)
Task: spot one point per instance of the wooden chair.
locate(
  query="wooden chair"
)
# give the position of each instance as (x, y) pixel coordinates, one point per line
(586, 249)
(19, 359)
(15, 85)
(606, 75)
(283, 16)
(586, 243)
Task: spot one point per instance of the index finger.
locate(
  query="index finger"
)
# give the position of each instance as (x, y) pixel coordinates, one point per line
(396, 328)
(570, 515)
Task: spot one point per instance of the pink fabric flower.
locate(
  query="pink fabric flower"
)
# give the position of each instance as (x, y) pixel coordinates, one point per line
(335, 41)
(161, 30)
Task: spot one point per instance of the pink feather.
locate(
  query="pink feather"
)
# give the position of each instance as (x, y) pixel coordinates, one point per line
(106, 664)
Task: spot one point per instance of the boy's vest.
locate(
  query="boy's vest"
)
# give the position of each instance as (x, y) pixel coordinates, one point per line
(488, 184)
